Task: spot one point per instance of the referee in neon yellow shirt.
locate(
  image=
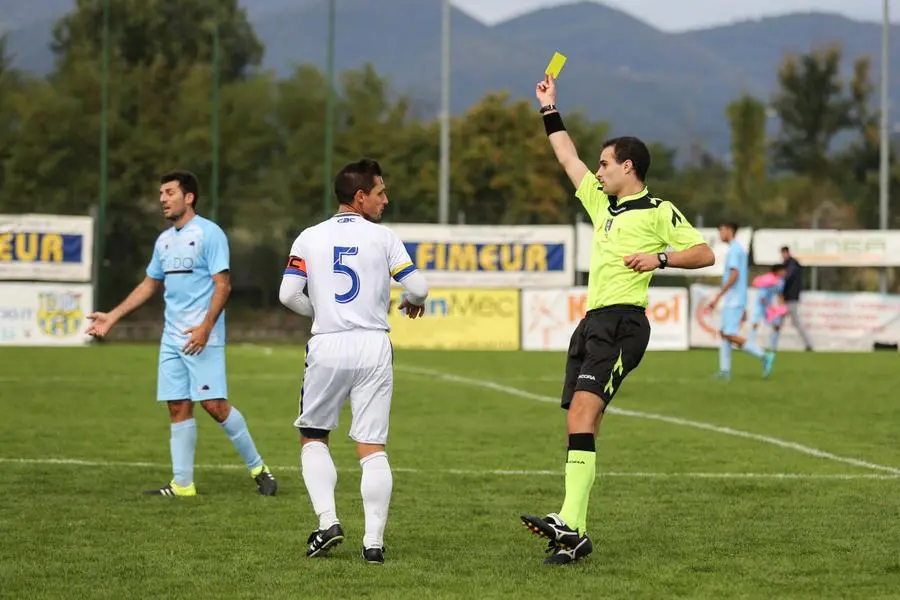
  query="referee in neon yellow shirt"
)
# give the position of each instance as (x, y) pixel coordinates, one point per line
(632, 231)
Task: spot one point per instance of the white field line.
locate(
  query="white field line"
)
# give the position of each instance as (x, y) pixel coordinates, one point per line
(298, 377)
(486, 384)
(808, 450)
(74, 462)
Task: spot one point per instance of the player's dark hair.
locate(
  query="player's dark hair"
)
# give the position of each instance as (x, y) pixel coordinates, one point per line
(356, 176)
(785, 249)
(187, 181)
(633, 149)
(778, 268)
(732, 225)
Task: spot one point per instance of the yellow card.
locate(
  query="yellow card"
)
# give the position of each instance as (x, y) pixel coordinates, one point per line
(556, 65)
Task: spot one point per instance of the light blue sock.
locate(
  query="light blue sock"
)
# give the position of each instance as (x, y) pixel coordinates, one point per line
(774, 342)
(182, 444)
(236, 428)
(725, 357)
(752, 348)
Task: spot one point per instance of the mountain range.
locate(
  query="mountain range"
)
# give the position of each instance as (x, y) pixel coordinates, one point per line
(670, 87)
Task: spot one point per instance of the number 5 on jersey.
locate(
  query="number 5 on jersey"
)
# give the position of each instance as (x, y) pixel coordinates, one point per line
(339, 267)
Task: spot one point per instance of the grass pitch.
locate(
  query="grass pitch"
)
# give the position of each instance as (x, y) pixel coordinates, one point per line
(787, 488)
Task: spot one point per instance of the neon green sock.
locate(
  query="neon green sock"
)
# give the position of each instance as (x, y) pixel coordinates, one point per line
(581, 467)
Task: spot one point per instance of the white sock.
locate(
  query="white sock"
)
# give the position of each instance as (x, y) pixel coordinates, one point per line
(376, 486)
(320, 478)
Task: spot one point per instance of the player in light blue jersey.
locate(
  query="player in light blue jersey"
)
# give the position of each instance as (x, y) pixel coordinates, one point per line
(191, 261)
(769, 306)
(733, 296)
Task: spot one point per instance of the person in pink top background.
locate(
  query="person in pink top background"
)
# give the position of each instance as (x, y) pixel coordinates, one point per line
(769, 305)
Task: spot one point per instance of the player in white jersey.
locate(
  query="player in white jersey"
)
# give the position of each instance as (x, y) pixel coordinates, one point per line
(339, 272)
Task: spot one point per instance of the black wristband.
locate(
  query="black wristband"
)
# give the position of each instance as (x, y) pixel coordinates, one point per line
(553, 122)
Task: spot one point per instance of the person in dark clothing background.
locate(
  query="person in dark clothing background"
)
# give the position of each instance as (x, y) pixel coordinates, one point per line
(793, 285)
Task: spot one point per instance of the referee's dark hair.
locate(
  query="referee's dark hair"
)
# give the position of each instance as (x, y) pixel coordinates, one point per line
(187, 181)
(356, 176)
(633, 149)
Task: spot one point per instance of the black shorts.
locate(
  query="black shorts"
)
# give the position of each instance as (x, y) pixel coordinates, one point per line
(608, 344)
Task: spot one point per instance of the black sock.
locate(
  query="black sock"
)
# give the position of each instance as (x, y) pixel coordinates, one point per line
(582, 441)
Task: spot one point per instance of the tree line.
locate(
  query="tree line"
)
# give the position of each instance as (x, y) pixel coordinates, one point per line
(815, 139)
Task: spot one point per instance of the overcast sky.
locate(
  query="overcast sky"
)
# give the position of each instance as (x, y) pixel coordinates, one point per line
(680, 15)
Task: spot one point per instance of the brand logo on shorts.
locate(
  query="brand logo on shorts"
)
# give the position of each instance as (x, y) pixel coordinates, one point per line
(586, 376)
(204, 388)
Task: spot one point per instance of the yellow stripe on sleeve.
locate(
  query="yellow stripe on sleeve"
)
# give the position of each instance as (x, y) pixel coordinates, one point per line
(400, 268)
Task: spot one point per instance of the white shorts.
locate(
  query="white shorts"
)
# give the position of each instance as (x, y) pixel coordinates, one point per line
(358, 364)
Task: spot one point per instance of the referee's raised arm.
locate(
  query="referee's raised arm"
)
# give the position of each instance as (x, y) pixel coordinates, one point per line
(562, 144)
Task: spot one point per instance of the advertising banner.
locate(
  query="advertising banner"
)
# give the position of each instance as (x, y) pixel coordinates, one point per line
(491, 256)
(828, 247)
(459, 319)
(584, 235)
(549, 317)
(44, 314)
(46, 248)
(835, 321)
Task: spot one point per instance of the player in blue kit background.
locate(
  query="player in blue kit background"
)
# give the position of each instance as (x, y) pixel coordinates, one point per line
(191, 261)
(733, 295)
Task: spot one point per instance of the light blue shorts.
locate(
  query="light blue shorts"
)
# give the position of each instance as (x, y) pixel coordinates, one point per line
(731, 320)
(197, 378)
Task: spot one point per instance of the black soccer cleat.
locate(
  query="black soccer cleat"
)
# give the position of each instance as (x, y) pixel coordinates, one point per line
(322, 540)
(554, 529)
(265, 482)
(564, 556)
(373, 556)
(173, 490)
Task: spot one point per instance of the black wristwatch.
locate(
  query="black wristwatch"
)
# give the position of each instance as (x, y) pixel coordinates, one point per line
(663, 260)
(548, 108)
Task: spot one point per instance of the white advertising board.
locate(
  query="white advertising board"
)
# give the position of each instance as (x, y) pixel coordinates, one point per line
(850, 322)
(491, 256)
(828, 247)
(549, 317)
(46, 247)
(44, 314)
